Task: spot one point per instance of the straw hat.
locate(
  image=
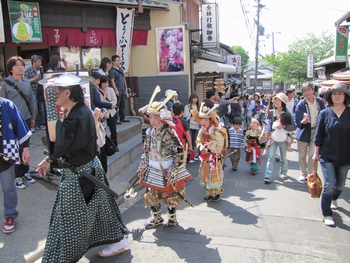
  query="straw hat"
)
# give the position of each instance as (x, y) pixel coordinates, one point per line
(67, 79)
(337, 87)
(281, 96)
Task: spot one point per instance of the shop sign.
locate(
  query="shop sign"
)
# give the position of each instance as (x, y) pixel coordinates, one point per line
(310, 65)
(235, 60)
(210, 26)
(25, 22)
(341, 43)
(2, 32)
(124, 26)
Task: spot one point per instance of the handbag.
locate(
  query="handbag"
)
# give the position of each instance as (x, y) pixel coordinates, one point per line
(314, 183)
(110, 147)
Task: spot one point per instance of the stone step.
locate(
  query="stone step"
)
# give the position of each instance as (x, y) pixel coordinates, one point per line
(129, 144)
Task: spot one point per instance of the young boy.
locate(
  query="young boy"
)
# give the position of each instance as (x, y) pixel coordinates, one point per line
(251, 142)
(212, 144)
(181, 126)
(236, 142)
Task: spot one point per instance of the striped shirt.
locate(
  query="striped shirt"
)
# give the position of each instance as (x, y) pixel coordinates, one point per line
(236, 138)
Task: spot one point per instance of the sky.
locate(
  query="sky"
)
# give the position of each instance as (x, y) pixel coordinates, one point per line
(288, 20)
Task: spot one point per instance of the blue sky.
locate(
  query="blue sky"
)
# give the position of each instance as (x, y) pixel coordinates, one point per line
(289, 20)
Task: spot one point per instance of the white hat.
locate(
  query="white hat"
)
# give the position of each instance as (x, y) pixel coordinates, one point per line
(281, 96)
(67, 79)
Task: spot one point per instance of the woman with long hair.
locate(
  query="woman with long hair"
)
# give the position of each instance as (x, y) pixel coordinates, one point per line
(193, 103)
(280, 102)
(104, 66)
(107, 95)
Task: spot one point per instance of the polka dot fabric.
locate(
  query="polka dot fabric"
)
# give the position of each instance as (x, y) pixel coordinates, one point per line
(76, 226)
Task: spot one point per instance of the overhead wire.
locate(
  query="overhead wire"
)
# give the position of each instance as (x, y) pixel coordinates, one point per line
(248, 23)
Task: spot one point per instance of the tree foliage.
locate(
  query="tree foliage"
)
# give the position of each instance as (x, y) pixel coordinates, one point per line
(291, 66)
(244, 56)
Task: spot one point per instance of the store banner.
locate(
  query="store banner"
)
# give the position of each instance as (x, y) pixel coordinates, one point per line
(2, 32)
(310, 65)
(124, 28)
(235, 60)
(341, 43)
(25, 22)
(210, 26)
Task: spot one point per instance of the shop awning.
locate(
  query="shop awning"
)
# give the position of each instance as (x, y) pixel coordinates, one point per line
(65, 36)
(206, 66)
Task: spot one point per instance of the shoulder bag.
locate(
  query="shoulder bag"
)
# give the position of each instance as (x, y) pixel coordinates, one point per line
(13, 85)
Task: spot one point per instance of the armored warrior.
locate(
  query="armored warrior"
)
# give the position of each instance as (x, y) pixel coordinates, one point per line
(162, 168)
(212, 144)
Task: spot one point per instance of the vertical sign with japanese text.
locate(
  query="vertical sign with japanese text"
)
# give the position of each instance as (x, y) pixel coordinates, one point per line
(235, 60)
(341, 43)
(25, 22)
(124, 27)
(310, 65)
(210, 26)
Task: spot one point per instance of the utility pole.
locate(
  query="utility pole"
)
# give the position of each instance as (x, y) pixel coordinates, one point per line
(273, 53)
(257, 45)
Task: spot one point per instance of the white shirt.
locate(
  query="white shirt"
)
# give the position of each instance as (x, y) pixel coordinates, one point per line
(290, 106)
(313, 112)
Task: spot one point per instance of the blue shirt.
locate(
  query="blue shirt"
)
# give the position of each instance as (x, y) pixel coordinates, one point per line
(118, 76)
(332, 136)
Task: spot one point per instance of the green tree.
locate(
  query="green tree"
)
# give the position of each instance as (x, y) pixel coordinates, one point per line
(244, 56)
(291, 66)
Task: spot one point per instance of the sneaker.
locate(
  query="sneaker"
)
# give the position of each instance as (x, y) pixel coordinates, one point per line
(19, 183)
(253, 172)
(32, 130)
(192, 161)
(115, 249)
(289, 149)
(234, 168)
(334, 204)
(277, 158)
(328, 221)
(42, 127)
(196, 158)
(302, 178)
(283, 176)
(29, 178)
(267, 180)
(9, 226)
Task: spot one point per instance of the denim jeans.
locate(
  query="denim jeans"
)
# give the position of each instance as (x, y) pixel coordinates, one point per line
(7, 180)
(41, 114)
(334, 182)
(271, 159)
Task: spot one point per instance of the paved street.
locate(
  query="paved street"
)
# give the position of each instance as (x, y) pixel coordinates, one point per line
(253, 222)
